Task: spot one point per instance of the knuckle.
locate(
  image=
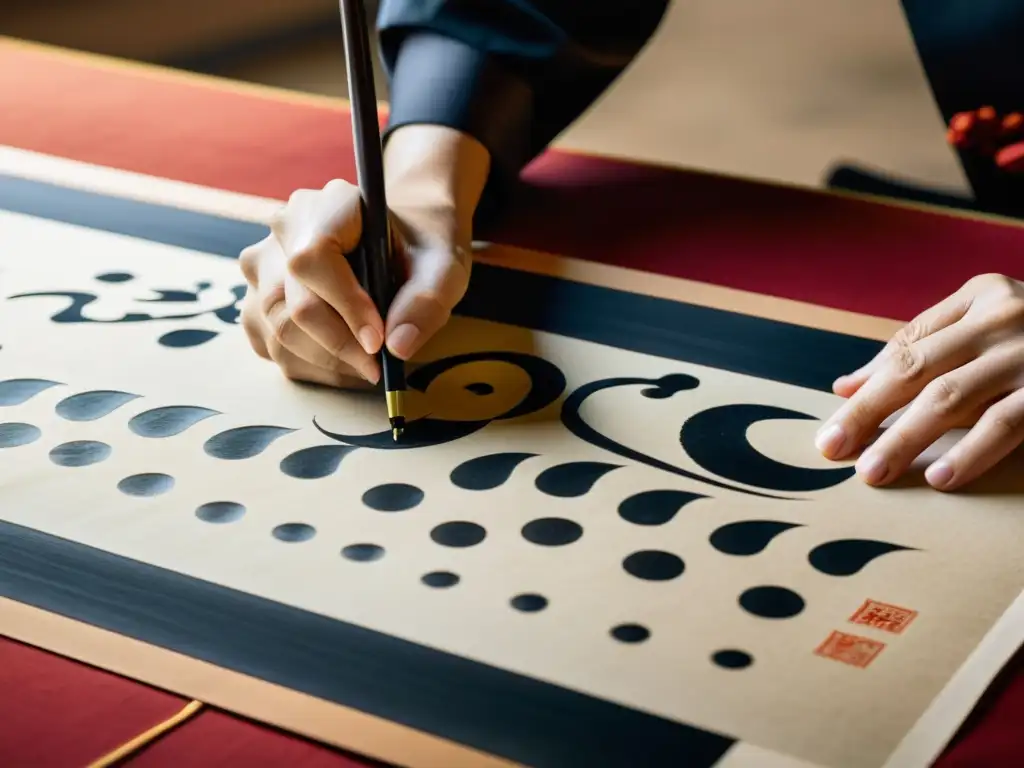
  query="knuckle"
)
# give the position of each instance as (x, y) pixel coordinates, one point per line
(906, 361)
(306, 311)
(1004, 421)
(248, 261)
(280, 325)
(271, 298)
(303, 259)
(944, 397)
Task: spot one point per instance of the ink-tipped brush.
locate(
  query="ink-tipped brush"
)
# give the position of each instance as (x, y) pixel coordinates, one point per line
(379, 265)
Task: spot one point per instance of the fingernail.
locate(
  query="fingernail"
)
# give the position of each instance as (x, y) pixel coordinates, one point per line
(831, 441)
(872, 468)
(402, 340)
(369, 339)
(939, 474)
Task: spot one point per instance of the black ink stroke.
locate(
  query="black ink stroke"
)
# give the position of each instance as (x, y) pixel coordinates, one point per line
(845, 557)
(315, 462)
(19, 391)
(485, 473)
(547, 383)
(655, 507)
(89, 406)
(716, 439)
(656, 389)
(572, 479)
(748, 537)
(243, 442)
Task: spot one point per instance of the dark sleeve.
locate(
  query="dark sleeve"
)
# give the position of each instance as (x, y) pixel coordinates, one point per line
(511, 73)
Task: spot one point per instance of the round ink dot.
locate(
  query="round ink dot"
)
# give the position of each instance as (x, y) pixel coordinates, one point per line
(731, 659)
(80, 453)
(220, 512)
(363, 553)
(393, 497)
(630, 633)
(480, 388)
(292, 532)
(458, 534)
(552, 531)
(440, 579)
(148, 484)
(772, 602)
(115, 277)
(15, 434)
(529, 603)
(653, 565)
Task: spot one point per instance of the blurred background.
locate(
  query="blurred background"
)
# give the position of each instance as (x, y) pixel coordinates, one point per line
(773, 89)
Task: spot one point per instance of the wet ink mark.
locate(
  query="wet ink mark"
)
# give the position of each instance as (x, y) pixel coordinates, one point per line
(573, 479)
(80, 453)
(18, 391)
(115, 277)
(732, 659)
(655, 389)
(243, 442)
(529, 603)
(485, 473)
(89, 406)
(547, 383)
(186, 338)
(748, 537)
(654, 565)
(846, 557)
(363, 553)
(315, 462)
(393, 497)
(169, 420)
(458, 534)
(630, 633)
(148, 484)
(772, 602)
(220, 512)
(440, 579)
(480, 388)
(16, 434)
(716, 439)
(655, 507)
(552, 531)
(293, 532)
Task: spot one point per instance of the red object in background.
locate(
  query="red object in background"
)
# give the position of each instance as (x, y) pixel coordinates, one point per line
(1011, 158)
(829, 250)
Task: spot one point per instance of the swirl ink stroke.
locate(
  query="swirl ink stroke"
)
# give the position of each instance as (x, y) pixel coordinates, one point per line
(78, 301)
(709, 437)
(547, 383)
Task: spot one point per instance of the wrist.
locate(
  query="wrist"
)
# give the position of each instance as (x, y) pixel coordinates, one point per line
(437, 173)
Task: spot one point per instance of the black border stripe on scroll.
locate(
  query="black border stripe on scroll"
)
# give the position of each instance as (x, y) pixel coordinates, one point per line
(505, 714)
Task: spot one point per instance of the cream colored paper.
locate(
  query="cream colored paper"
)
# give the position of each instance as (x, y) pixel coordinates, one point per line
(965, 570)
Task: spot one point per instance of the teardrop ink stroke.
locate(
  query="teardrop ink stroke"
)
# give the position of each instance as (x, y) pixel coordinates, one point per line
(243, 442)
(485, 473)
(168, 420)
(572, 479)
(748, 537)
(845, 557)
(547, 383)
(18, 391)
(92, 405)
(315, 462)
(657, 389)
(656, 507)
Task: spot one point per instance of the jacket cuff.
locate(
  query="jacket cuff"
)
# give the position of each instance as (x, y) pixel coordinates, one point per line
(441, 81)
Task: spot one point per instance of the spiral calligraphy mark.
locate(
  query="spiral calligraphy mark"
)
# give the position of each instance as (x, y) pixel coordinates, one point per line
(547, 383)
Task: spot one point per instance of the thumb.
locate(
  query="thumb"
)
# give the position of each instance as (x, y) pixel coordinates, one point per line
(438, 279)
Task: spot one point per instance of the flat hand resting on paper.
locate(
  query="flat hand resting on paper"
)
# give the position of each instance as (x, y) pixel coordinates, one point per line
(305, 309)
(958, 364)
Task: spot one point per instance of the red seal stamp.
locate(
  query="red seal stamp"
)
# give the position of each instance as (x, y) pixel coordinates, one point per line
(850, 649)
(888, 618)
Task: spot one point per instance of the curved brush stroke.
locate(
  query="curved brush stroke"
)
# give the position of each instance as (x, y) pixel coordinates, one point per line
(655, 507)
(17, 434)
(717, 440)
(846, 557)
(18, 391)
(748, 537)
(418, 434)
(657, 389)
(243, 442)
(187, 337)
(230, 313)
(316, 462)
(169, 420)
(89, 406)
(485, 473)
(547, 385)
(573, 479)
(78, 301)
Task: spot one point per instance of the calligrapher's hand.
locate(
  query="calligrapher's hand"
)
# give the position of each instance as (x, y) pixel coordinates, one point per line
(957, 364)
(305, 309)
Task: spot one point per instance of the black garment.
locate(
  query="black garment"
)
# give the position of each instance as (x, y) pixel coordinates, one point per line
(515, 73)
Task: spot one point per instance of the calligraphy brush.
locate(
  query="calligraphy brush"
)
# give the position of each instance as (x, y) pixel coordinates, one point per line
(379, 267)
